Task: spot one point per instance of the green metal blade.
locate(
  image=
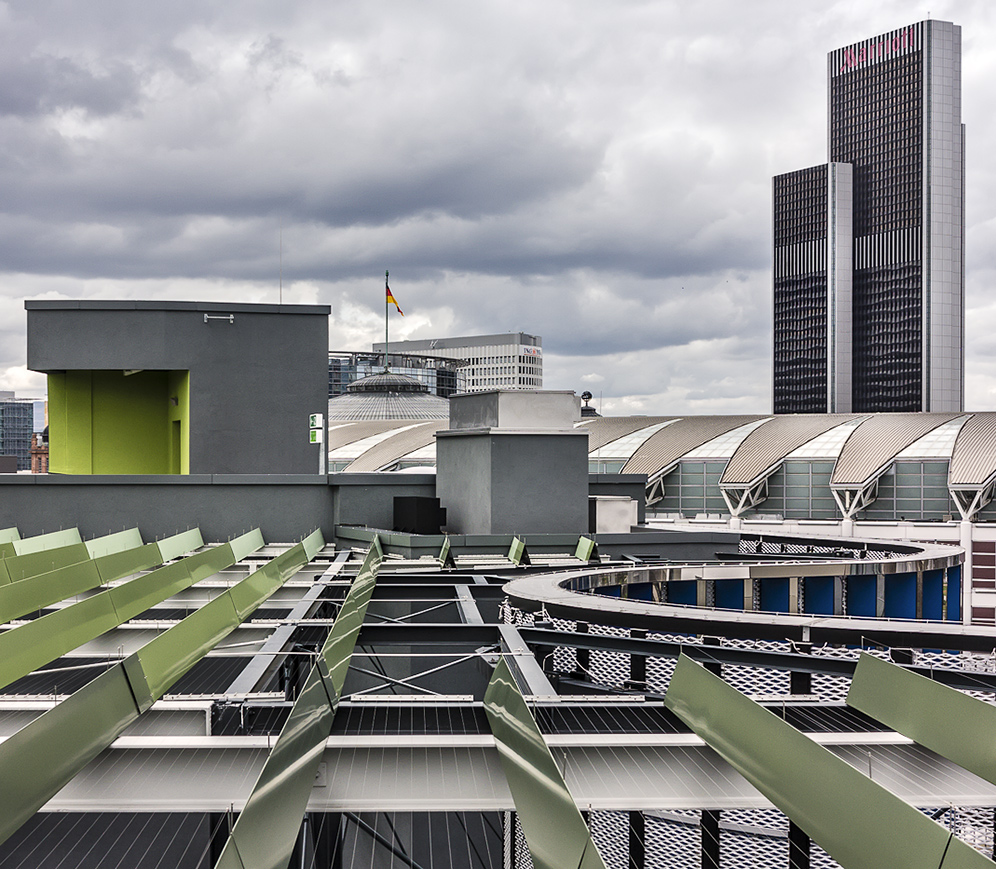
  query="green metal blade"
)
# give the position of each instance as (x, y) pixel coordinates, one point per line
(264, 835)
(41, 542)
(29, 646)
(119, 541)
(855, 820)
(33, 563)
(43, 756)
(942, 719)
(557, 835)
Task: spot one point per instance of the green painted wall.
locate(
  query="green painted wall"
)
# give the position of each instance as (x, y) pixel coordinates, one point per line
(107, 422)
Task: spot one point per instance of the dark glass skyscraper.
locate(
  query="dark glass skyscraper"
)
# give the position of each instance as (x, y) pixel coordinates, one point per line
(869, 248)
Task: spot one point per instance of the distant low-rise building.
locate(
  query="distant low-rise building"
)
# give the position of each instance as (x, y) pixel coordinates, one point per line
(16, 426)
(441, 376)
(513, 360)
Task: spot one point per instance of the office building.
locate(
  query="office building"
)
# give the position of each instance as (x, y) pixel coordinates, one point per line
(441, 376)
(16, 426)
(868, 253)
(513, 360)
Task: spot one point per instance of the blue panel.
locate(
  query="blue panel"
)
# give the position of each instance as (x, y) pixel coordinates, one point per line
(683, 591)
(730, 594)
(933, 594)
(640, 591)
(609, 590)
(861, 595)
(817, 595)
(954, 593)
(775, 595)
(900, 596)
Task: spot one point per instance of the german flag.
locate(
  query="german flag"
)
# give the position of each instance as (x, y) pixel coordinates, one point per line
(391, 300)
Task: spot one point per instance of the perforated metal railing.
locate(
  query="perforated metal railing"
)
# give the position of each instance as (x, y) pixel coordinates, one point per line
(748, 838)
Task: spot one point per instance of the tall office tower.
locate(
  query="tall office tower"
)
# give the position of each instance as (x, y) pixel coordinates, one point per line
(869, 248)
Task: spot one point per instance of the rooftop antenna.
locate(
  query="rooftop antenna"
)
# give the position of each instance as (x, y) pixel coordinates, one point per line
(281, 262)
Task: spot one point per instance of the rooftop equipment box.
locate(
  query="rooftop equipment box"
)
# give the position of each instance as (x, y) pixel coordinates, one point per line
(513, 463)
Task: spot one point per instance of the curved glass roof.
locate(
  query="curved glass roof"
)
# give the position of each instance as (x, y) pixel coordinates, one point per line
(829, 444)
(356, 449)
(936, 444)
(725, 445)
(624, 447)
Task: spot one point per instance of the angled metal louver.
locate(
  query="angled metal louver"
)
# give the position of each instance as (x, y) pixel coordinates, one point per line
(267, 827)
(29, 646)
(38, 760)
(940, 718)
(853, 818)
(44, 589)
(555, 831)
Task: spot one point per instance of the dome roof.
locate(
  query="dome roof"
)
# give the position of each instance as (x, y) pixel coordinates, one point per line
(387, 396)
(387, 382)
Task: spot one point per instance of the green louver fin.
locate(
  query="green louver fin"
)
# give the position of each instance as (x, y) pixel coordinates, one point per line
(180, 544)
(41, 542)
(267, 827)
(32, 645)
(38, 760)
(856, 821)
(35, 556)
(954, 725)
(27, 595)
(120, 541)
(557, 835)
(33, 563)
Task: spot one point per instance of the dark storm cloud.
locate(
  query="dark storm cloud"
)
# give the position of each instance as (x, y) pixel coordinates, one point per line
(595, 173)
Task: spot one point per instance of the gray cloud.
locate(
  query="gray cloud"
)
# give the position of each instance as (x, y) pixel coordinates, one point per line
(595, 173)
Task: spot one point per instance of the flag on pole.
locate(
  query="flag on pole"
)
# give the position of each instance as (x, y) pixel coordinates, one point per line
(392, 300)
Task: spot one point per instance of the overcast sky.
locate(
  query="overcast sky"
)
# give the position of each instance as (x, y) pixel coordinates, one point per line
(597, 173)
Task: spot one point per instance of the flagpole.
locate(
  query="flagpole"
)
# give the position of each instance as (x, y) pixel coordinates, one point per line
(387, 319)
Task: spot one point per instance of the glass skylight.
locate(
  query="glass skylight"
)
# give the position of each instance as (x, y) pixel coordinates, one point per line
(426, 452)
(829, 444)
(358, 448)
(624, 447)
(936, 444)
(724, 446)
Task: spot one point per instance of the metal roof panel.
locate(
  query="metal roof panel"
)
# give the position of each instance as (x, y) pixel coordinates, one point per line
(770, 443)
(973, 461)
(393, 448)
(671, 443)
(877, 441)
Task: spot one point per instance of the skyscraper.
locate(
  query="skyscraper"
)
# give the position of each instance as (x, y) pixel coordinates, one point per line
(869, 247)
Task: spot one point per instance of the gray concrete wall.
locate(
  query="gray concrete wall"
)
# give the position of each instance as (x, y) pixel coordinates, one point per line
(513, 483)
(253, 382)
(368, 499)
(284, 507)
